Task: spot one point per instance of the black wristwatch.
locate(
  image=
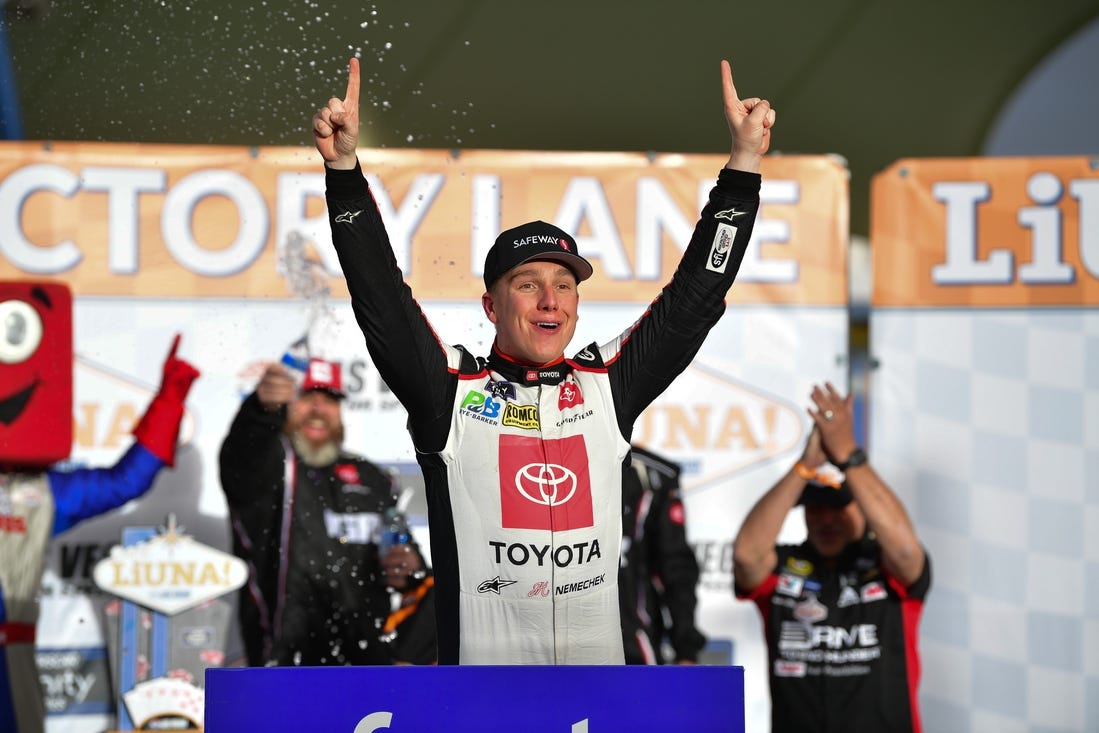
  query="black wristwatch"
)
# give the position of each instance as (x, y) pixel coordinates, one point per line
(856, 458)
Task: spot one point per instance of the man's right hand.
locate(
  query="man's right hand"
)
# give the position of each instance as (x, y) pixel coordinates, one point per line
(336, 126)
(813, 455)
(835, 420)
(276, 387)
(750, 122)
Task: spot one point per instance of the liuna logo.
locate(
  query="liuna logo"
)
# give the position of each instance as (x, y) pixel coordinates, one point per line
(383, 720)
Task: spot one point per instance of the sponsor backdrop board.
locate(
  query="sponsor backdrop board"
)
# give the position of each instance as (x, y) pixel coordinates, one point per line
(984, 417)
(230, 248)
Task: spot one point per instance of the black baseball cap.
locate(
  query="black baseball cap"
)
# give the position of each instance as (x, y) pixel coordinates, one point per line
(818, 493)
(534, 240)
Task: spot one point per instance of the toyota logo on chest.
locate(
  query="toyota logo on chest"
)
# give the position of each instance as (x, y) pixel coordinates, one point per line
(545, 483)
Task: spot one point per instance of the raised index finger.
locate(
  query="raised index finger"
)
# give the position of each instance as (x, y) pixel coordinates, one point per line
(351, 99)
(727, 85)
(175, 346)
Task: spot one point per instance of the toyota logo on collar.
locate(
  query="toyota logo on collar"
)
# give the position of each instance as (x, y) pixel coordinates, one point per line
(544, 483)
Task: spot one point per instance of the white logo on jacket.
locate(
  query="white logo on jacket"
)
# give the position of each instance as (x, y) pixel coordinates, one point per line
(546, 480)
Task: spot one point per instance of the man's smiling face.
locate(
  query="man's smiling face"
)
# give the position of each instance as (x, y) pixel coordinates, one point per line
(315, 415)
(533, 307)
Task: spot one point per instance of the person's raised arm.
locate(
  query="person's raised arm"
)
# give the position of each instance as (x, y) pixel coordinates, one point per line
(754, 554)
(902, 553)
(694, 298)
(750, 122)
(408, 354)
(336, 125)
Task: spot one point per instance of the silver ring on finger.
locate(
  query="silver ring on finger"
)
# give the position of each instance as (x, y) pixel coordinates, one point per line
(829, 416)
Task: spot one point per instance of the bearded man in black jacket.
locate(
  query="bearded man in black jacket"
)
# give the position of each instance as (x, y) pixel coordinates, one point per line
(306, 517)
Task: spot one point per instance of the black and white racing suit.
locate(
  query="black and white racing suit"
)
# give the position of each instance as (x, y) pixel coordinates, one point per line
(523, 465)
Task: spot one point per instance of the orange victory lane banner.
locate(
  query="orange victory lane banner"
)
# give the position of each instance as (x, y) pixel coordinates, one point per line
(209, 221)
(986, 232)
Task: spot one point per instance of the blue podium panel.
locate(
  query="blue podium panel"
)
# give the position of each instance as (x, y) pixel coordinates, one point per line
(478, 699)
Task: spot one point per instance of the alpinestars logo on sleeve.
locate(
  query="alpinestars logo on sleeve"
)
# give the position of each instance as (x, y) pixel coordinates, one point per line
(728, 214)
(347, 217)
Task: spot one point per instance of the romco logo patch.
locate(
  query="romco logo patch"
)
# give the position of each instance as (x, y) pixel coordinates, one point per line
(521, 416)
(544, 484)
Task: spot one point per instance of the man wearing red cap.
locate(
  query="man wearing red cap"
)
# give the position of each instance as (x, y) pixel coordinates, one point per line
(306, 517)
(523, 451)
(840, 611)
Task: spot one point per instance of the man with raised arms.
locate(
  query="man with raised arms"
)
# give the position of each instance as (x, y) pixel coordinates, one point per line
(522, 451)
